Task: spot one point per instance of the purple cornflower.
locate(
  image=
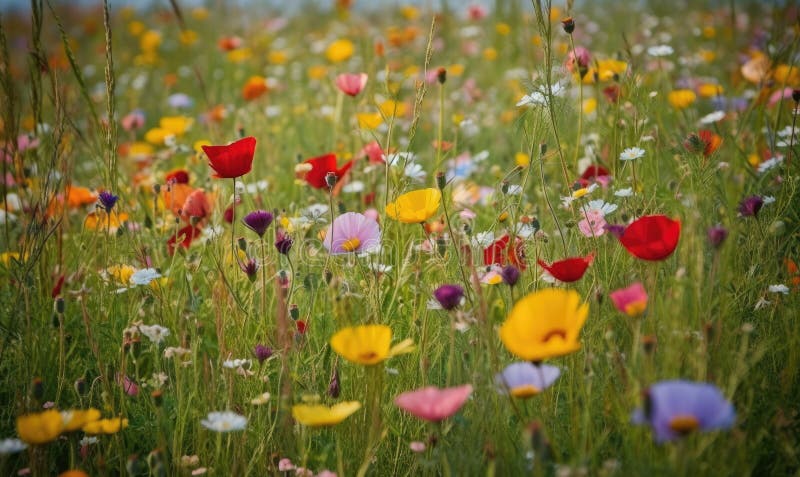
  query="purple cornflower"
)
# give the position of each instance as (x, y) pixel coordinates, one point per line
(525, 379)
(107, 200)
(750, 206)
(510, 275)
(250, 267)
(615, 230)
(258, 221)
(675, 408)
(262, 353)
(449, 296)
(352, 232)
(283, 243)
(717, 235)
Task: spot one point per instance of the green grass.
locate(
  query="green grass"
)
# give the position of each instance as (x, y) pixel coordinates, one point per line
(706, 309)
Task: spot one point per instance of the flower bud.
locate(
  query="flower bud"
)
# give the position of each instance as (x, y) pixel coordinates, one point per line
(158, 397)
(441, 180)
(330, 179)
(568, 24)
(334, 388)
(294, 311)
(441, 75)
(796, 95)
(37, 388)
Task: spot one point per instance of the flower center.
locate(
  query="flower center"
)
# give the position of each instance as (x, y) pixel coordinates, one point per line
(351, 244)
(524, 391)
(684, 424)
(368, 356)
(553, 333)
(635, 308)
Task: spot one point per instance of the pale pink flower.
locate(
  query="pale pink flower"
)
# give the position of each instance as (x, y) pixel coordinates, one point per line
(631, 300)
(351, 83)
(434, 404)
(285, 465)
(593, 223)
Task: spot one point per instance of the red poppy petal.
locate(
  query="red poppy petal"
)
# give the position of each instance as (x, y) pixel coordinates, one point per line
(187, 236)
(493, 254)
(569, 269)
(233, 160)
(652, 237)
(320, 167)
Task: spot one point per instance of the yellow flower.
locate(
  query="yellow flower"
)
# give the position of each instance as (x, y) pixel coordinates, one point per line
(6, 258)
(416, 206)
(456, 69)
(340, 50)
(367, 344)
(99, 220)
(681, 98)
(317, 415)
(157, 136)
(40, 428)
(176, 125)
(150, 41)
(140, 149)
(502, 28)
(75, 419)
(200, 13)
(239, 55)
(545, 324)
(188, 37)
(277, 57)
(136, 28)
(391, 108)
(489, 54)
(369, 120)
(789, 75)
(105, 426)
(709, 90)
(409, 12)
(121, 273)
(589, 105)
(522, 159)
(317, 72)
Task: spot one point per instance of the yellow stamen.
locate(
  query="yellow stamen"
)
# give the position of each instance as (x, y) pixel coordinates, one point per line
(635, 308)
(525, 391)
(351, 244)
(684, 424)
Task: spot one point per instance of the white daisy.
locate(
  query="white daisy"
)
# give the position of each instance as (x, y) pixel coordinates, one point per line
(226, 421)
(780, 288)
(235, 363)
(12, 445)
(155, 333)
(660, 50)
(415, 172)
(631, 153)
(602, 206)
(624, 192)
(770, 163)
(145, 276)
(711, 118)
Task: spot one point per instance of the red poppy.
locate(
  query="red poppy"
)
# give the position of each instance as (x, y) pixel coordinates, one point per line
(178, 176)
(652, 237)
(321, 166)
(594, 171)
(500, 253)
(569, 269)
(186, 236)
(233, 160)
(57, 288)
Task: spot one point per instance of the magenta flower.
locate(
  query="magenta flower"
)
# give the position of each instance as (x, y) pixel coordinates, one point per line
(351, 83)
(258, 221)
(449, 296)
(717, 235)
(283, 242)
(432, 403)
(578, 60)
(632, 300)
(352, 232)
(525, 379)
(750, 206)
(675, 408)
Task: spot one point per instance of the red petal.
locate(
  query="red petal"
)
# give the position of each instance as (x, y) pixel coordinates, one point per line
(233, 160)
(57, 289)
(569, 269)
(594, 171)
(320, 167)
(187, 236)
(652, 237)
(493, 254)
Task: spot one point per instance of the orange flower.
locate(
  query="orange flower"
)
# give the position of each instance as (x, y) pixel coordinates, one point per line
(255, 87)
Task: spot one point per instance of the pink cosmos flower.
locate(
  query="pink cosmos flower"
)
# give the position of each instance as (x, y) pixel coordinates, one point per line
(372, 151)
(476, 12)
(578, 59)
(351, 83)
(432, 403)
(133, 121)
(593, 224)
(352, 232)
(130, 387)
(631, 300)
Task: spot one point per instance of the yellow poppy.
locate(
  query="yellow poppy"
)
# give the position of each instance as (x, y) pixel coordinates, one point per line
(105, 426)
(605, 70)
(317, 415)
(40, 428)
(369, 121)
(681, 98)
(416, 206)
(367, 344)
(99, 220)
(177, 125)
(340, 50)
(75, 419)
(6, 258)
(545, 324)
(157, 136)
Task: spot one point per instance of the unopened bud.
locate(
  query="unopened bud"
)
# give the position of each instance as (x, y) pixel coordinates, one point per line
(157, 188)
(504, 187)
(37, 388)
(441, 180)
(294, 311)
(242, 243)
(158, 397)
(542, 149)
(441, 75)
(568, 24)
(796, 95)
(334, 387)
(330, 179)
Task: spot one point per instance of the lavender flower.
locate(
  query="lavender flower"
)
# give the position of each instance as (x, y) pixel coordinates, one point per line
(283, 243)
(510, 275)
(525, 379)
(449, 296)
(262, 353)
(717, 235)
(258, 221)
(675, 408)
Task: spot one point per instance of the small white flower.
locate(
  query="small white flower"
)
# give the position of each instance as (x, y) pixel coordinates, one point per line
(660, 50)
(177, 352)
(781, 288)
(256, 186)
(316, 212)
(768, 199)
(87, 441)
(483, 239)
(380, 268)
(155, 333)
(144, 276)
(602, 206)
(631, 153)
(514, 189)
(770, 163)
(226, 421)
(12, 445)
(354, 187)
(712, 118)
(469, 128)
(524, 231)
(260, 399)
(624, 192)
(415, 172)
(235, 363)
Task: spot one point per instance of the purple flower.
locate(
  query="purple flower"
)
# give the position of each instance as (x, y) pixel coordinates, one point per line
(258, 221)
(675, 408)
(283, 243)
(107, 200)
(717, 235)
(615, 230)
(262, 353)
(750, 206)
(449, 296)
(525, 379)
(250, 267)
(510, 275)
(180, 101)
(352, 232)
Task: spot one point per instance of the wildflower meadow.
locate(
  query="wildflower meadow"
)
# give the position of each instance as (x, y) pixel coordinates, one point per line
(357, 238)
